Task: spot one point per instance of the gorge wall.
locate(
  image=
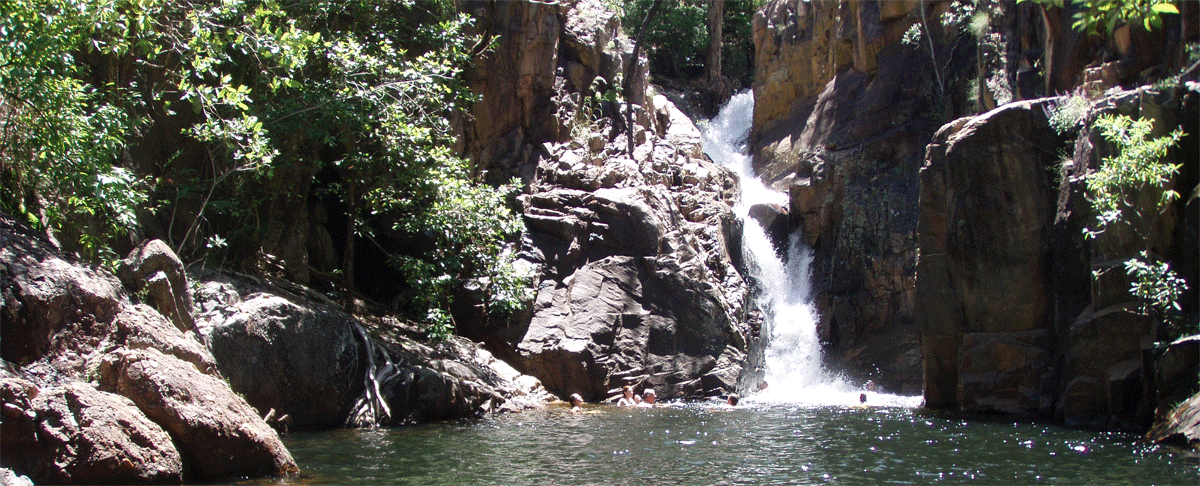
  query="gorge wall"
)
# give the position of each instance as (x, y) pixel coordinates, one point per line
(1013, 318)
(845, 109)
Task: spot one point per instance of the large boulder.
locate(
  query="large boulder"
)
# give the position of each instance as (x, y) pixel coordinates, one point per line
(300, 359)
(63, 323)
(634, 293)
(987, 211)
(218, 433)
(53, 308)
(75, 434)
(455, 379)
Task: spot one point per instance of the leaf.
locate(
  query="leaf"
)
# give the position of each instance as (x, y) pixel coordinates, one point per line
(1164, 8)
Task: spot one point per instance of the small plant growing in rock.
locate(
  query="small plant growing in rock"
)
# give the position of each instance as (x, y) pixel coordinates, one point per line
(1067, 114)
(1136, 168)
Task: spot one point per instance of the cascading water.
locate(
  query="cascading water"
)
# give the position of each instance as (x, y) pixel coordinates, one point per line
(793, 356)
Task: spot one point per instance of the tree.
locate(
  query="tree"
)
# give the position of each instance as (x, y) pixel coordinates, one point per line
(61, 138)
(262, 88)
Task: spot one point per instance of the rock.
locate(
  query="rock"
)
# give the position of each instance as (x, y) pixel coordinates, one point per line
(1103, 339)
(66, 323)
(1181, 428)
(9, 478)
(218, 433)
(52, 307)
(456, 380)
(1006, 275)
(154, 268)
(987, 210)
(76, 434)
(140, 327)
(1175, 373)
(299, 359)
(1006, 372)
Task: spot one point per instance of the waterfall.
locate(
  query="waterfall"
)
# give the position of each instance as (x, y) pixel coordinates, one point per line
(793, 355)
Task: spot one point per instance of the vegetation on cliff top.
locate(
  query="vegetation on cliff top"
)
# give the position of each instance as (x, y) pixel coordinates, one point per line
(255, 91)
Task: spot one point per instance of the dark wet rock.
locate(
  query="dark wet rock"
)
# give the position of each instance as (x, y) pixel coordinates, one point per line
(75, 434)
(301, 359)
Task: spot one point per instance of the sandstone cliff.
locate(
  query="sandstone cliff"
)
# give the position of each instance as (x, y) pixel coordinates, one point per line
(1019, 313)
(845, 109)
(631, 252)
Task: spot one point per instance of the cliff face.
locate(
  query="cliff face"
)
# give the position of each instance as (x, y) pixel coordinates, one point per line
(844, 111)
(1014, 320)
(630, 252)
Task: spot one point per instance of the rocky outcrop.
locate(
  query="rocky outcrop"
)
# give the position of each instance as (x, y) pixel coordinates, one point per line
(631, 251)
(1107, 345)
(219, 434)
(983, 286)
(1019, 313)
(65, 325)
(300, 359)
(75, 434)
(637, 284)
(303, 362)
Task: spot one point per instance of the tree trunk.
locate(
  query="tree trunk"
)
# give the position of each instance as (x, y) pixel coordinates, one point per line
(348, 255)
(629, 70)
(718, 88)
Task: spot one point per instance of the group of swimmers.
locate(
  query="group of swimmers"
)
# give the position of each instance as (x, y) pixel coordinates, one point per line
(629, 399)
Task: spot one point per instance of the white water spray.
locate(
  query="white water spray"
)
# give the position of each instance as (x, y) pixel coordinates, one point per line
(793, 356)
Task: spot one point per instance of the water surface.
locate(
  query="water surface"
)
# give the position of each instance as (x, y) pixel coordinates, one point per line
(753, 444)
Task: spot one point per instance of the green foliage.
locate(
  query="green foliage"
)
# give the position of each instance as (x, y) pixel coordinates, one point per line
(264, 88)
(61, 137)
(1136, 168)
(1159, 289)
(677, 40)
(1067, 114)
(1110, 14)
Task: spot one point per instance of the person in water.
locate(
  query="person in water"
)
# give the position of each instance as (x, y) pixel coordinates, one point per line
(733, 400)
(648, 398)
(627, 397)
(862, 398)
(576, 403)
